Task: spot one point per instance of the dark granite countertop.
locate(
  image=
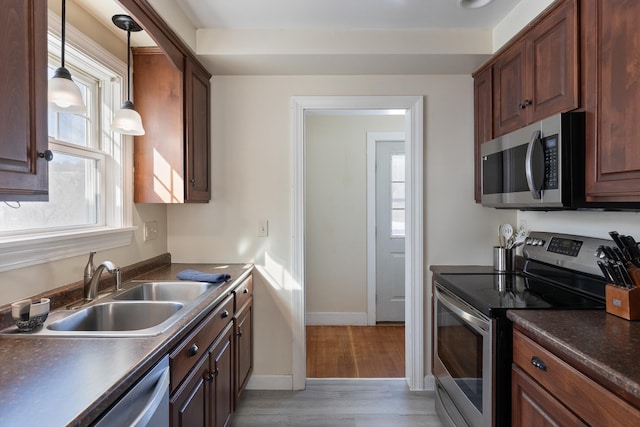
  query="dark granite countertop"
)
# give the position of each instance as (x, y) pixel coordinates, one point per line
(58, 381)
(601, 344)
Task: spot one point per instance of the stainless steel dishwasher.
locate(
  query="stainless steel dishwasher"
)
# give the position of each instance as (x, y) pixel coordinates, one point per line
(145, 404)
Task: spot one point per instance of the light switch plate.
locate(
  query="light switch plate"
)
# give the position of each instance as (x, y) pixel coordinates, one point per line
(150, 230)
(263, 228)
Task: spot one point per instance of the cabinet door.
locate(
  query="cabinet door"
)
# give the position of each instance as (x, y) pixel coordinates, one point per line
(189, 405)
(244, 347)
(159, 153)
(534, 406)
(553, 46)
(23, 104)
(221, 365)
(198, 135)
(509, 90)
(611, 34)
(483, 120)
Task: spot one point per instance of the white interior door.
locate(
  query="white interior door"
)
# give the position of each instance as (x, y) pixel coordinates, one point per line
(390, 231)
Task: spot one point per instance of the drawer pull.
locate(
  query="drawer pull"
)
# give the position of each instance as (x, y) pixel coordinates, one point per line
(538, 363)
(193, 350)
(224, 314)
(246, 291)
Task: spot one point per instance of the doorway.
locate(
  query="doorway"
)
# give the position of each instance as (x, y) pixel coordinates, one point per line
(414, 338)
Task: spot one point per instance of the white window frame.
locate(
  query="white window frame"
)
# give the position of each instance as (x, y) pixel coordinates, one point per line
(22, 249)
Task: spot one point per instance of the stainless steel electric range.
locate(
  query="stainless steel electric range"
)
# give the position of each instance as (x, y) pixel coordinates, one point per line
(472, 335)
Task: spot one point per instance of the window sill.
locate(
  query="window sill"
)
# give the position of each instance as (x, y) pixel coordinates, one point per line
(24, 251)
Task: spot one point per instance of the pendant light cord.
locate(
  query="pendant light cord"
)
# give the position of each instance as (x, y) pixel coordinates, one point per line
(128, 65)
(63, 32)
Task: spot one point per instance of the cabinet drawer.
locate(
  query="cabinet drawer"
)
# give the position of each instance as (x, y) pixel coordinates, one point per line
(243, 292)
(185, 356)
(589, 400)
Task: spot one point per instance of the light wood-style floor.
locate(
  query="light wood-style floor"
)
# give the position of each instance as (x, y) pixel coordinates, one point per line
(338, 403)
(355, 351)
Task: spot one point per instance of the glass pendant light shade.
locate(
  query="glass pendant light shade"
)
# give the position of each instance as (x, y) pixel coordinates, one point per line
(127, 121)
(63, 94)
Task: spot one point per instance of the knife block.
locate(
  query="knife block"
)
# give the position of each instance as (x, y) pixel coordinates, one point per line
(623, 302)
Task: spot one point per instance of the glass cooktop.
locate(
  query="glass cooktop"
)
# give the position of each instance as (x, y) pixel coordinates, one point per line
(494, 294)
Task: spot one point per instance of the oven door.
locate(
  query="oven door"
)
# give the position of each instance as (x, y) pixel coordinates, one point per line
(462, 359)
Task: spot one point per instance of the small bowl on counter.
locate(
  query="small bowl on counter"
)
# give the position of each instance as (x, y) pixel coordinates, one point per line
(28, 315)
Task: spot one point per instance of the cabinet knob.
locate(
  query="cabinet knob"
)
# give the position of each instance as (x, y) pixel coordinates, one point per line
(525, 104)
(193, 350)
(209, 377)
(246, 291)
(538, 363)
(192, 181)
(239, 333)
(224, 314)
(47, 155)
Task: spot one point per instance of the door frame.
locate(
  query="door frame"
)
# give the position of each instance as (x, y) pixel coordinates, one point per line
(372, 242)
(414, 242)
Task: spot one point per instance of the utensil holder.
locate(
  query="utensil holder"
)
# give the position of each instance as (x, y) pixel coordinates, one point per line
(504, 260)
(623, 302)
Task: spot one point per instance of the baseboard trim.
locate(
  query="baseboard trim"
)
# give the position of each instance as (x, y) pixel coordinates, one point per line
(429, 382)
(270, 382)
(336, 319)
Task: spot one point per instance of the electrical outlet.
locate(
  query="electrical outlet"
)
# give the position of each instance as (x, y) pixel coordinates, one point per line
(263, 228)
(150, 230)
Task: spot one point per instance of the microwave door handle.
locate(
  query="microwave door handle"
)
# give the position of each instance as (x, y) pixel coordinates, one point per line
(534, 165)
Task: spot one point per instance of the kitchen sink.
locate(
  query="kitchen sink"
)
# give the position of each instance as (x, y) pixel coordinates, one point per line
(141, 309)
(117, 317)
(166, 291)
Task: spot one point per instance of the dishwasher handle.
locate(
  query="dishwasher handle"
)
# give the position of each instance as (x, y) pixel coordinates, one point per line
(145, 404)
(161, 390)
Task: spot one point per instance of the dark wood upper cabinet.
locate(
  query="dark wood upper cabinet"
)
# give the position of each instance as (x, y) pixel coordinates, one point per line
(23, 103)
(538, 75)
(611, 72)
(483, 119)
(172, 95)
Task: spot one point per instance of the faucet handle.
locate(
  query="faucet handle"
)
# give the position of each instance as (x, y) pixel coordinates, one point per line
(89, 269)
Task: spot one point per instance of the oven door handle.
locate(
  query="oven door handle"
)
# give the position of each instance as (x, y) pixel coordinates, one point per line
(461, 311)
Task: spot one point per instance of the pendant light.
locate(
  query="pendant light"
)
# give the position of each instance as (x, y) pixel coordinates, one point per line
(63, 94)
(127, 121)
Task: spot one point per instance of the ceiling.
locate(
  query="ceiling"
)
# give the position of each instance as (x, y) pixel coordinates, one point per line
(303, 37)
(342, 14)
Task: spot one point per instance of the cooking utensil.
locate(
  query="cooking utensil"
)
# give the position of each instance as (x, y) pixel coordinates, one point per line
(519, 238)
(506, 230)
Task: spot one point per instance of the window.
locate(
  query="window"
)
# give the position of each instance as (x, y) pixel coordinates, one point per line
(88, 189)
(397, 196)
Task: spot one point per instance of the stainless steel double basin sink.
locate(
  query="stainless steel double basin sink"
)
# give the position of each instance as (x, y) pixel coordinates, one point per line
(142, 309)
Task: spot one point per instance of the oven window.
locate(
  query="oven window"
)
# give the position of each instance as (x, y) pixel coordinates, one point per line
(460, 350)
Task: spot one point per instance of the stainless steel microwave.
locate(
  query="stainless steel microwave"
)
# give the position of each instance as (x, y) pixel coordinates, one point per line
(538, 167)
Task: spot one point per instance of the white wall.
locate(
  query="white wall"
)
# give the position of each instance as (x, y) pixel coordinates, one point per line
(336, 210)
(251, 180)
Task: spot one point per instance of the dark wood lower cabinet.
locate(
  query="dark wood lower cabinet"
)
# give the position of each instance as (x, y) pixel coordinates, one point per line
(188, 406)
(211, 366)
(221, 379)
(244, 347)
(534, 406)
